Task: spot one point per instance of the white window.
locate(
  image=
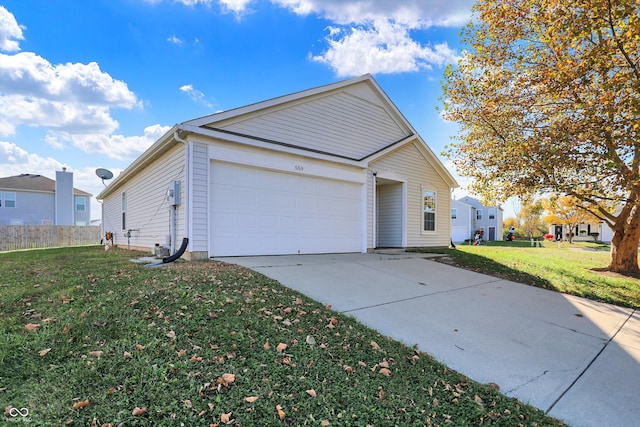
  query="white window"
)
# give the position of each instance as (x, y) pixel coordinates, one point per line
(492, 213)
(81, 204)
(454, 213)
(479, 214)
(9, 200)
(429, 210)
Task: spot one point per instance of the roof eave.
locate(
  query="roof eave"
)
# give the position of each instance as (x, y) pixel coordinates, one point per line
(165, 142)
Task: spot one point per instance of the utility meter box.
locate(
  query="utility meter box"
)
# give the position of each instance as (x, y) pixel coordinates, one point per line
(173, 193)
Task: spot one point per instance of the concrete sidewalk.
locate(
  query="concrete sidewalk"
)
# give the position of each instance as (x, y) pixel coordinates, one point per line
(577, 359)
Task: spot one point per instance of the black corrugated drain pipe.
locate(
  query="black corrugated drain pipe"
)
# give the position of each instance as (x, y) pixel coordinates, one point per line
(178, 254)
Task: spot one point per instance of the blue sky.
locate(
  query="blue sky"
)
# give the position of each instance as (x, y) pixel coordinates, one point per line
(92, 84)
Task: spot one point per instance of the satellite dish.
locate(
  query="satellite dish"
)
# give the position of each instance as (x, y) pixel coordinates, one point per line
(104, 174)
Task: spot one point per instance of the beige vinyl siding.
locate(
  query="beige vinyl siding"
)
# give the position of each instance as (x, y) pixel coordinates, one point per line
(410, 163)
(199, 198)
(339, 123)
(147, 208)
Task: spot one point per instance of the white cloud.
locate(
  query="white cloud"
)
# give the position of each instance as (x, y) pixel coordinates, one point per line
(195, 95)
(175, 40)
(373, 36)
(67, 97)
(30, 75)
(15, 160)
(117, 147)
(10, 31)
(383, 48)
(72, 101)
(413, 13)
(238, 7)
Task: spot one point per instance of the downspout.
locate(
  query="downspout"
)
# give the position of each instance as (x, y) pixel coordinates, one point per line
(187, 185)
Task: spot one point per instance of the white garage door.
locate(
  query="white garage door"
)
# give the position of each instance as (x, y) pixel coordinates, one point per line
(459, 234)
(262, 212)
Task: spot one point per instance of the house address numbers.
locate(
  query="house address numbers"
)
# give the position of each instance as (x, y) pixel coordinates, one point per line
(298, 168)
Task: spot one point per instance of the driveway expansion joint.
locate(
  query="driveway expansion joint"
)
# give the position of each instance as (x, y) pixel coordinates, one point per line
(604, 347)
(418, 296)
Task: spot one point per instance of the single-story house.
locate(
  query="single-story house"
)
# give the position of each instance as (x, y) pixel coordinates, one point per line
(469, 215)
(332, 169)
(31, 199)
(599, 231)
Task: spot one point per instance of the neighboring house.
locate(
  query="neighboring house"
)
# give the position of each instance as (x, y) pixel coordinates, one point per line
(331, 169)
(469, 215)
(583, 232)
(29, 199)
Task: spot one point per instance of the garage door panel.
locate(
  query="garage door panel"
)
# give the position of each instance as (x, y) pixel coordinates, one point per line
(258, 211)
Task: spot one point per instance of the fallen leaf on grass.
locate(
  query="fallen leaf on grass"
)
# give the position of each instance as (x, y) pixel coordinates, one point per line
(324, 423)
(139, 347)
(281, 347)
(171, 334)
(386, 372)
(251, 399)
(348, 369)
(266, 345)
(226, 418)
(138, 411)
(228, 378)
(96, 353)
(478, 399)
(44, 352)
(281, 413)
(127, 355)
(311, 392)
(32, 326)
(375, 345)
(82, 404)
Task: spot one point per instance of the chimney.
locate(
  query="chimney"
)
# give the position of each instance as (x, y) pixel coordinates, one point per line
(64, 198)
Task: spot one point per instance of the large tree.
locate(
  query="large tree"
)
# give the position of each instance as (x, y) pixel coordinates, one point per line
(547, 96)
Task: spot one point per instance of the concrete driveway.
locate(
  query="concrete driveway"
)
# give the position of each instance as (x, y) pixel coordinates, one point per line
(577, 359)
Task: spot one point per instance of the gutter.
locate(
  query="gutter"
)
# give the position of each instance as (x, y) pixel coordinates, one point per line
(187, 181)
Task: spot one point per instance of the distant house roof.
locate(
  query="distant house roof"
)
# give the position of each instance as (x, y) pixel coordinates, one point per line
(31, 182)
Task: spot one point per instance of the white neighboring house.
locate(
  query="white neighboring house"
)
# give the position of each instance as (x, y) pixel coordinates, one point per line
(469, 215)
(583, 232)
(331, 169)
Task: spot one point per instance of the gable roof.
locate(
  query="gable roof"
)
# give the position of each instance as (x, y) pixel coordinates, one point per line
(351, 121)
(32, 182)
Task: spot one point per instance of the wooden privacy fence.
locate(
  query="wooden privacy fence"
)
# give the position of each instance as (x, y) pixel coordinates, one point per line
(14, 237)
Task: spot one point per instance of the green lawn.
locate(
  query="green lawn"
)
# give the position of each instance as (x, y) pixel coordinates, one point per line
(89, 338)
(565, 268)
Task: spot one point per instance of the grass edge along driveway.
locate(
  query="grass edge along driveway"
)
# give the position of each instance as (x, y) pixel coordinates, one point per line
(566, 268)
(89, 338)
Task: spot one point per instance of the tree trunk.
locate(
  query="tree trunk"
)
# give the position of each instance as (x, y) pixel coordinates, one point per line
(624, 244)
